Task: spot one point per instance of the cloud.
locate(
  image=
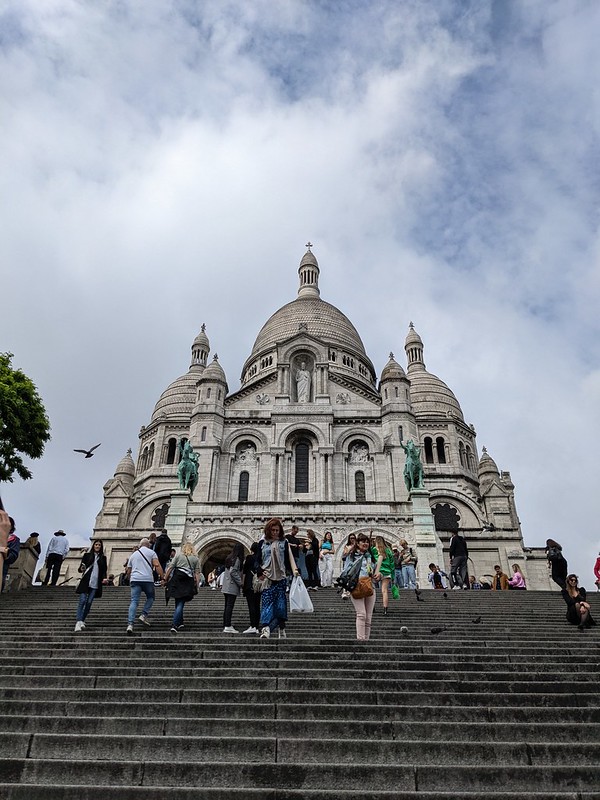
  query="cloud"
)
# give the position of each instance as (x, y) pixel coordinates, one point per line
(165, 164)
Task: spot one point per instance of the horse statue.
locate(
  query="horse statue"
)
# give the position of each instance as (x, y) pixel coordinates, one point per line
(413, 468)
(187, 470)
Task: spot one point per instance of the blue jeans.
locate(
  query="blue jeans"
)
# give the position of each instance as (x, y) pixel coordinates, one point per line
(409, 576)
(178, 613)
(85, 603)
(137, 587)
(399, 580)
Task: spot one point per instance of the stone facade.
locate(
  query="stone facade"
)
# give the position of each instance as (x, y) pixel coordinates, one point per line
(312, 436)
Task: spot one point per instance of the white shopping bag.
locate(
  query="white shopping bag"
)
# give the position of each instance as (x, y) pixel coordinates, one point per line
(299, 597)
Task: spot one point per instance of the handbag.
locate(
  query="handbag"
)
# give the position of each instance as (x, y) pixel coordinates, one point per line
(364, 588)
(41, 576)
(395, 592)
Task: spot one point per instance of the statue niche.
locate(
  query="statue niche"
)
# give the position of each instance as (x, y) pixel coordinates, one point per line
(303, 380)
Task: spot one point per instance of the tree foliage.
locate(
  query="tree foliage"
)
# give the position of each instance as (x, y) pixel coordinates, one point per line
(24, 424)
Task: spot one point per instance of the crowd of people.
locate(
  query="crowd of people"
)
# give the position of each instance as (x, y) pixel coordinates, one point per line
(264, 574)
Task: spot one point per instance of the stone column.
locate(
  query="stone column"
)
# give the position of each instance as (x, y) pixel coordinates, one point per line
(175, 522)
(429, 545)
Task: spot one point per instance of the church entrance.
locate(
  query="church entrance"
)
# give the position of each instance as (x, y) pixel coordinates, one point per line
(214, 554)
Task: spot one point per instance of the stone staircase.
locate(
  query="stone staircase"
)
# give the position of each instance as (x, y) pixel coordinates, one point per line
(505, 708)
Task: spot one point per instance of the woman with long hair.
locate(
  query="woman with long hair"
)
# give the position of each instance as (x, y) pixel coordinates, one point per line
(557, 563)
(517, 581)
(181, 580)
(363, 606)
(94, 568)
(385, 568)
(578, 609)
(326, 558)
(252, 597)
(232, 584)
(274, 560)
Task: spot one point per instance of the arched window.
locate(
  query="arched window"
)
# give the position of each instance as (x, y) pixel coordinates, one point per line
(171, 451)
(468, 458)
(243, 488)
(359, 485)
(302, 460)
(203, 434)
(428, 450)
(445, 517)
(461, 454)
(160, 516)
(441, 450)
(144, 460)
(150, 455)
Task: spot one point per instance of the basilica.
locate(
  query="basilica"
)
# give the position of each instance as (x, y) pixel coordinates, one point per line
(315, 436)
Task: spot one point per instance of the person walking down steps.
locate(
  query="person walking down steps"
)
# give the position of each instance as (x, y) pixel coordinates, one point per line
(94, 568)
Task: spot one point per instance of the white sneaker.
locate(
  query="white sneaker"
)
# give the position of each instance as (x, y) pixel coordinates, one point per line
(143, 618)
(130, 630)
(250, 630)
(79, 626)
(230, 629)
(265, 633)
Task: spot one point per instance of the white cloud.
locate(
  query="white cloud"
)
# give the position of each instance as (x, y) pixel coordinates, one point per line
(441, 158)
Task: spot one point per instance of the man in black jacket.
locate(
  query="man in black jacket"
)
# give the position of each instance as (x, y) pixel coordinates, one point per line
(459, 552)
(162, 548)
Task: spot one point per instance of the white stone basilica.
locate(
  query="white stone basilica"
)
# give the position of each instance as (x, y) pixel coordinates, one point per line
(313, 437)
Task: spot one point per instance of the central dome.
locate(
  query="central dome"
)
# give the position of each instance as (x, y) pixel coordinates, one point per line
(322, 320)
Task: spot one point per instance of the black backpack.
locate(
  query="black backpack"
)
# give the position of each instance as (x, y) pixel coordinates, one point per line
(348, 580)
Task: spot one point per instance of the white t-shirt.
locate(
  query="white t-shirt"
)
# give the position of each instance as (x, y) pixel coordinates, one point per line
(141, 565)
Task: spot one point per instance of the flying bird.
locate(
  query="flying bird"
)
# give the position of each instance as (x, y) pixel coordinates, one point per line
(437, 630)
(476, 621)
(88, 453)
(446, 595)
(404, 630)
(418, 596)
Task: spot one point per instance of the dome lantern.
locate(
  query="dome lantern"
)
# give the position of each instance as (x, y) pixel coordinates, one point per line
(309, 275)
(200, 348)
(414, 349)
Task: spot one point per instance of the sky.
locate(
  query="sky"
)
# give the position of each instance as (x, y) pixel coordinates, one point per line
(164, 164)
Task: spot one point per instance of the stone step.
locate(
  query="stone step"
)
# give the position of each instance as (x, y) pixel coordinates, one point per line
(425, 777)
(80, 792)
(503, 729)
(321, 711)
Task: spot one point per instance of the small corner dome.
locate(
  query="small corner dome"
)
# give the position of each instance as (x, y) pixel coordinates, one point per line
(126, 466)
(214, 372)
(178, 398)
(392, 370)
(431, 397)
(487, 469)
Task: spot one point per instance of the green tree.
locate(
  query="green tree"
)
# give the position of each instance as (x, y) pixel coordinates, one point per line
(24, 424)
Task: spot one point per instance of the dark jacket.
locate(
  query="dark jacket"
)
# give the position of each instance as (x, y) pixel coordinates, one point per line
(458, 546)
(84, 584)
(162, 548)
